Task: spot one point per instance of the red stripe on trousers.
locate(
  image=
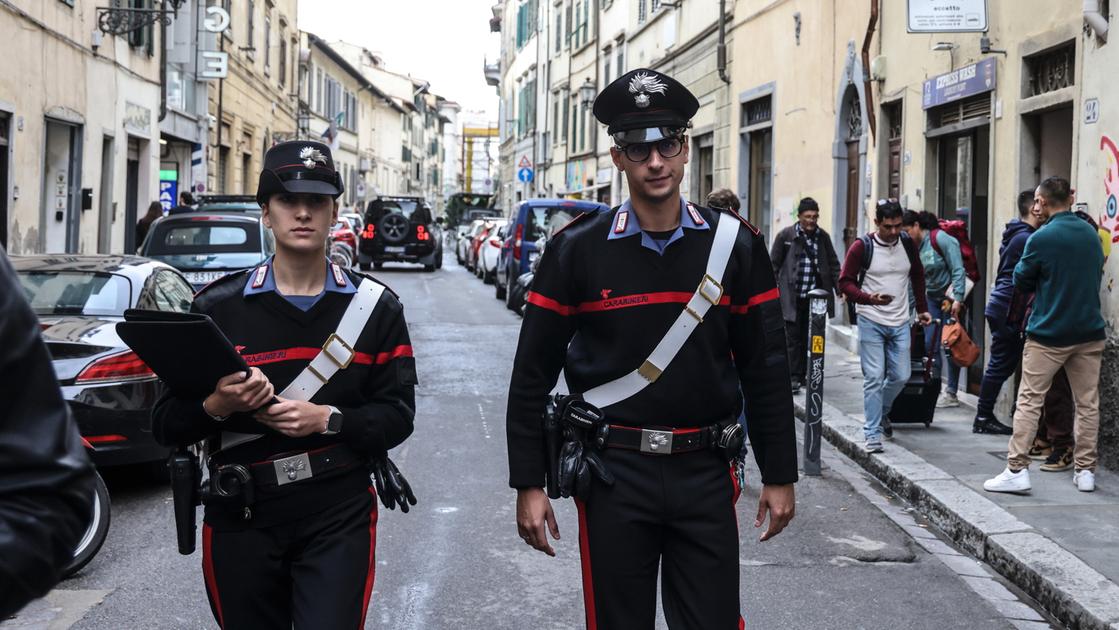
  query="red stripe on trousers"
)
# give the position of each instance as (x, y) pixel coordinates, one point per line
(737, 493)
(585, 558)
(208, 570)
(760, 298)
(371, 573)
(640, 299)
(536, 299)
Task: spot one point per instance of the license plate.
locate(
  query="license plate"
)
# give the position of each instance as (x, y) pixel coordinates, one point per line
(395, 249)
(203, 277)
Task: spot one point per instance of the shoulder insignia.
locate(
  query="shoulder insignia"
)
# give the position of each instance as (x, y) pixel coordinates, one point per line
(621, 221)
(749, 225)
(259, 276)
(696, 217)
(339, 277)
(579, 218)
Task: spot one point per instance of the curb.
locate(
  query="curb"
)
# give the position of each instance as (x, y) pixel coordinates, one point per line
(1062, 583)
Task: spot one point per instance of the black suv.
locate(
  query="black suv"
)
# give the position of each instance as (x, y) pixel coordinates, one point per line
(400, 229)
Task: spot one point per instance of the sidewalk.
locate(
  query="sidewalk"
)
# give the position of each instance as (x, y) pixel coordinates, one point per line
(1059, 545)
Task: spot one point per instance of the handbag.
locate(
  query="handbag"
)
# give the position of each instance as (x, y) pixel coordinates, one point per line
(958, 343)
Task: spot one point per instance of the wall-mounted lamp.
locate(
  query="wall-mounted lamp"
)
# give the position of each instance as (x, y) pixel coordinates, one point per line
(587, 92)
(945, 46)
(985, 47)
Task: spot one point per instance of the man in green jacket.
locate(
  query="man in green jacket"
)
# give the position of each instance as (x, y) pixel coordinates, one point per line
(1064, 329)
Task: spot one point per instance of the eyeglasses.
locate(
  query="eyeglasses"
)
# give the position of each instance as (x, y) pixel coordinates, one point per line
(667, 147)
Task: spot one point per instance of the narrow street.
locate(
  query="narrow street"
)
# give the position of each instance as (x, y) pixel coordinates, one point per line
(455, 560)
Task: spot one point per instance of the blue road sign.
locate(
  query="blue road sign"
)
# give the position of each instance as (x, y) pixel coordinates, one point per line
(525, 175)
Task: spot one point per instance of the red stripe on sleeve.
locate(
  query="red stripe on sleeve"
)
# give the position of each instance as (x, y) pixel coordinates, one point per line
(640, 299)
(536, 299)
(298, 354)
(761, 298)
(395, 353)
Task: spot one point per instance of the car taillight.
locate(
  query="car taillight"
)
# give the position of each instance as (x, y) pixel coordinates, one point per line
(370, 231)
(125, 366)
(495, 241)
(422, 233)
(517, 236)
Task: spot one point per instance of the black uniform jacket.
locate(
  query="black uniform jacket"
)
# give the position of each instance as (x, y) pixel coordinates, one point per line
(46, 478)
(598, 308)
(375, 393)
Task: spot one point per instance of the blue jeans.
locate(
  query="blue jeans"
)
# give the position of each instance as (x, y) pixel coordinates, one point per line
(1003, 358)
(953, 369)
(884, 354)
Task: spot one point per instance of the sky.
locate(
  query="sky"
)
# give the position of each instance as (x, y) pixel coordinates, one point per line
(445, 42)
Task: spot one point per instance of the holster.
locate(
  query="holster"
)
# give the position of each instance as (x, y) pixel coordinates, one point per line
(553, 442)
(185, 479)
(572, 429)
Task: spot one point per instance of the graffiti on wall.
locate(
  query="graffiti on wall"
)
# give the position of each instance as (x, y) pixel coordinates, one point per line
(1109, 218)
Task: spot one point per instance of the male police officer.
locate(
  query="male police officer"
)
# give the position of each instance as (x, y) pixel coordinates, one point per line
(656, 312)
(290, 524)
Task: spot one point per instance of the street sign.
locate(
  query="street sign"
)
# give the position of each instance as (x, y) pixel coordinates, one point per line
(168, 191)
(525, 175)
(216, 64)
(947, 16)
(952, 86)
(524, 163)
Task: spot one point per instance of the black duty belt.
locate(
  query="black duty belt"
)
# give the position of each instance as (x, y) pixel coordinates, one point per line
(662, 441)
(300, 466)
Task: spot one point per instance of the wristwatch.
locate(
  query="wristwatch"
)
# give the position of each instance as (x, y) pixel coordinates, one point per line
(216, 417)
(334, 423)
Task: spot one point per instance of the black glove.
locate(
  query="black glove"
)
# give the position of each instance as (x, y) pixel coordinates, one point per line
(571, 457)
(392, 487)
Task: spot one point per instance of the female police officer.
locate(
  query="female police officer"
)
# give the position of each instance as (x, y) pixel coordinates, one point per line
(643, 308)
(290, 520)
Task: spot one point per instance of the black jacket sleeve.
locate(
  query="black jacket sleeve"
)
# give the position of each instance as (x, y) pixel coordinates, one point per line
(46, 478)
(386, 418)
(757, 338)
(547, 329)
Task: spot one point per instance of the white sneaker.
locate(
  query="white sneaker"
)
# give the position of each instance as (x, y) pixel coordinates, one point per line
(1009, 481)
(1085, 480)
(947, 400)
(873, 447)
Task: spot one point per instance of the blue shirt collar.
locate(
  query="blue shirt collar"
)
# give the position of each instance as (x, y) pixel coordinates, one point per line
(625, 224)
(262, 280)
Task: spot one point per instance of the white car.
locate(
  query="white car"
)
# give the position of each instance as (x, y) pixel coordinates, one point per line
(490, 251)
(462, 248)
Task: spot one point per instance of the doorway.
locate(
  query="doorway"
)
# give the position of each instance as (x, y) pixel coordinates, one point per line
(61, 176)
(106, 211)
(761, 183)
(131, 195)
(1046, 145)
(963, 162)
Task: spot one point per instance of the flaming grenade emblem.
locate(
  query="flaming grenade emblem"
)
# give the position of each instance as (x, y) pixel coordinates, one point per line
(642, 85)
(310, 155)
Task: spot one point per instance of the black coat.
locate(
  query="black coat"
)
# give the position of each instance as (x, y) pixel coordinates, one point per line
(785, 253)
(46, 478)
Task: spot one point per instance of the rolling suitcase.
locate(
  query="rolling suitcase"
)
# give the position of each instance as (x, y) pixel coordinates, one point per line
(917, 400)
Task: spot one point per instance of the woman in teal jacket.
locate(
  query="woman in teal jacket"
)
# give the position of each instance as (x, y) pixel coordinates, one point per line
(945, 281)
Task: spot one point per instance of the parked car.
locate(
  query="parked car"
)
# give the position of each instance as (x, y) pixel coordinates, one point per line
(475, 245)
(400, 229)
(227, 203)
(466, 240)
(79, 299)
(532, 220)
(517, 294)
(207, 246)
(490, 251)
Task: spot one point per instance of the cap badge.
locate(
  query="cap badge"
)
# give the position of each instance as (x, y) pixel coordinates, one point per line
(642, 85)
(310, 155)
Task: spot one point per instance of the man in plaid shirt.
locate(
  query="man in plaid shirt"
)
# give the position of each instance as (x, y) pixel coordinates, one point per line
(803, 259)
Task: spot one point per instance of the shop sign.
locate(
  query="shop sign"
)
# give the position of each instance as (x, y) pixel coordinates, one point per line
(953, 86)
(947, 16)
(137, 118)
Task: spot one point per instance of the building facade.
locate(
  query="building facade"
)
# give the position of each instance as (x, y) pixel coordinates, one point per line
(79, 130)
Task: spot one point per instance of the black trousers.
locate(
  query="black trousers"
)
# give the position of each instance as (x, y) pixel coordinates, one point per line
(674, 513)
(796, 332)
(312, 573)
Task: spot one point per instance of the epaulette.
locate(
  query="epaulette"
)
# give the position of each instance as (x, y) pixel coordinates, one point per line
(749, 225)
(360, 274)
(579, 218)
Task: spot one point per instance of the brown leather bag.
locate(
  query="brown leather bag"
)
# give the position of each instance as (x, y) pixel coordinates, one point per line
(958, 343)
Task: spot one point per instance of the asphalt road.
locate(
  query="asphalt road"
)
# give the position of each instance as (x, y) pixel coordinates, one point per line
(455, 561)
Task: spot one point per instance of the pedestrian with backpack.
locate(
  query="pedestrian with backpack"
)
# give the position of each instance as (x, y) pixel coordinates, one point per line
(945, 283)
(879, 271)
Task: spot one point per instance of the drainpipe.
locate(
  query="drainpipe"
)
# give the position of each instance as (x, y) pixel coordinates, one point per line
(870, 118)
(721, 47)
(162, 70)
(1096, 20)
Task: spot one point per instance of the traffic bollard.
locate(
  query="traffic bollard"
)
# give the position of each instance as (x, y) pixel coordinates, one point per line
(814, 390)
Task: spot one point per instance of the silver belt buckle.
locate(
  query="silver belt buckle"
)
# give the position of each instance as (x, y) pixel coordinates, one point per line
(294, 468)
(656, 442)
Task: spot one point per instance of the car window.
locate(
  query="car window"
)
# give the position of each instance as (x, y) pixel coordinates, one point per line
(543, 221)
(173, 293)
(189, 237)
(76, 292)
(410, 208)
